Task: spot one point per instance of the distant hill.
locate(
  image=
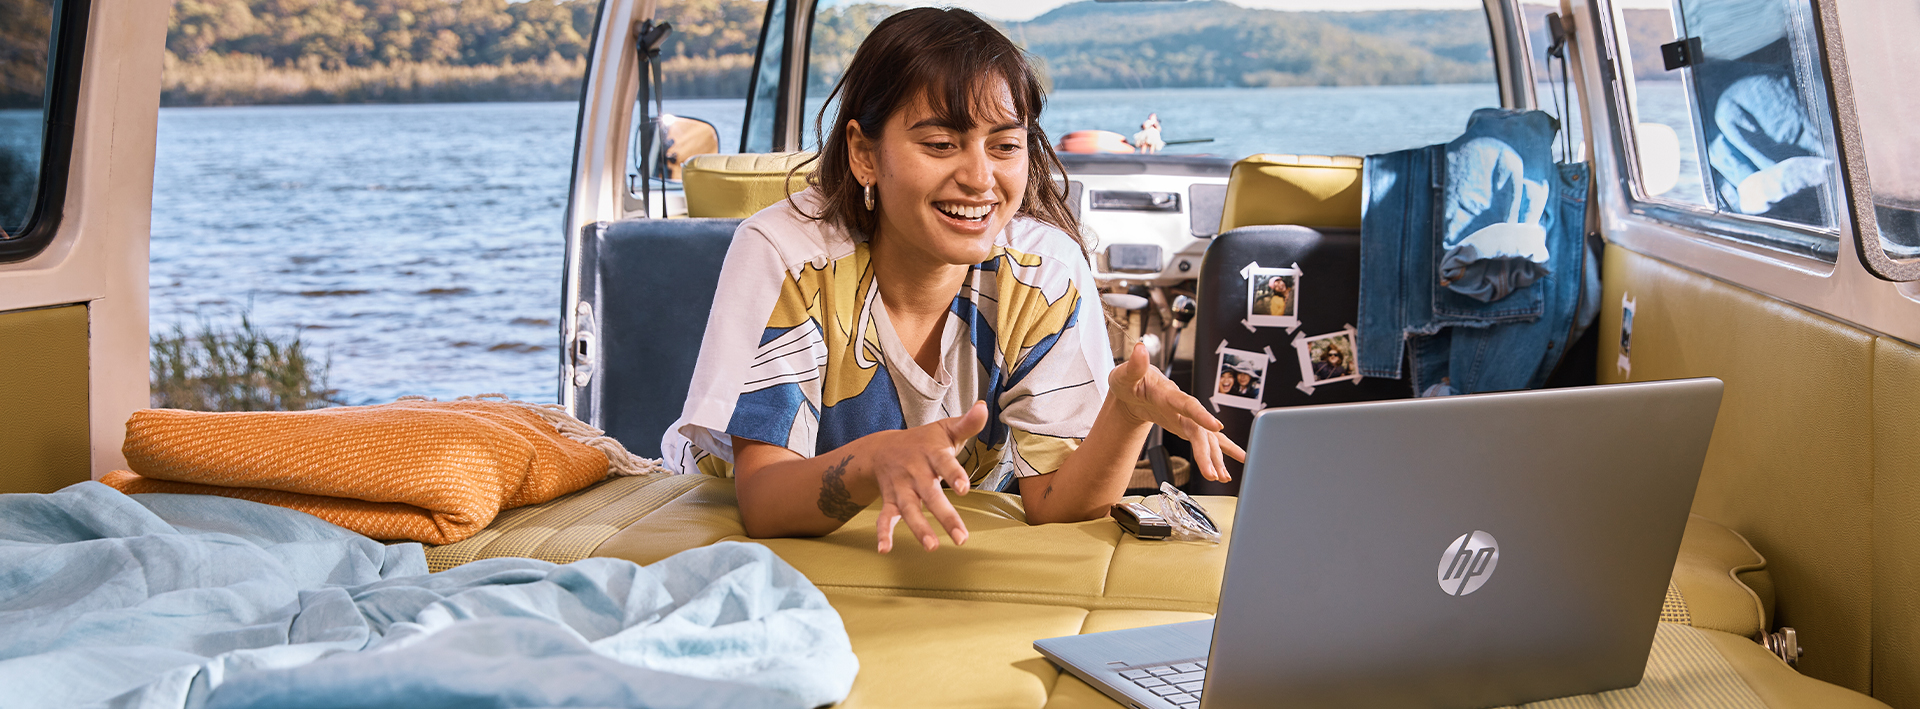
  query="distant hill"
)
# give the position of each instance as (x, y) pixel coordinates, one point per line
(1213, 43)
(277, 51)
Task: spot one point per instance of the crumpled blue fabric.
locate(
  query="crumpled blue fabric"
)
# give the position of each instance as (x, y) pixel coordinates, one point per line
(197, 601)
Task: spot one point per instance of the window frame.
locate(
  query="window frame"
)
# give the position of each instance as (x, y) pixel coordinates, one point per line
(1765, 233)
(66, 58)
(1853, 151)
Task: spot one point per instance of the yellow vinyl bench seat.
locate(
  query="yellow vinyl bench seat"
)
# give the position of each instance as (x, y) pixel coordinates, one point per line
(734, 186)
(955, 627)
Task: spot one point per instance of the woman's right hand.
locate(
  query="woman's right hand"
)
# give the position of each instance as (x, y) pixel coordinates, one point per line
(908, 465)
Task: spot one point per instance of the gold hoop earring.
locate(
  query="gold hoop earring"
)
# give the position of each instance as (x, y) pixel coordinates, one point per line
(869, 193)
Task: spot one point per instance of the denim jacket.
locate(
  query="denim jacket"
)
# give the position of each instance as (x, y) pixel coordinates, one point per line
(1460, 247)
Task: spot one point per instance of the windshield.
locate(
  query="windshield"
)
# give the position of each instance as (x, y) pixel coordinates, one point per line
(1205, 77)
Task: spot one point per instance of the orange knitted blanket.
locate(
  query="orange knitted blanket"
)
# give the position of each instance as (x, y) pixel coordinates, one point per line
(430, 471)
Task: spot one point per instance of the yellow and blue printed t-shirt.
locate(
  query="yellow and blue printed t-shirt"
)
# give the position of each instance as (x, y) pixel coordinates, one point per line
(799, 351)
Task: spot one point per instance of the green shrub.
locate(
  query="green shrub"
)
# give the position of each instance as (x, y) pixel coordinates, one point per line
(241, 369)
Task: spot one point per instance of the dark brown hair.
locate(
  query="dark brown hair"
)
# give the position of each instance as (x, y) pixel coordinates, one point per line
(950, 54)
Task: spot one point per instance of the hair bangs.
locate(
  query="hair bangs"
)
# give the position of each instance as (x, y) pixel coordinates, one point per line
(949, 59)
(959, 88)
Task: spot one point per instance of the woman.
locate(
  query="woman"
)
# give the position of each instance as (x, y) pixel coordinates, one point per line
(923, 314)
(1277, 302)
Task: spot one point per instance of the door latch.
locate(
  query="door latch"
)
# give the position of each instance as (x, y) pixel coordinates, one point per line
(584, 347)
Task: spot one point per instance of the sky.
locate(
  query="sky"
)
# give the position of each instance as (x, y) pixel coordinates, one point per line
(1029, 9)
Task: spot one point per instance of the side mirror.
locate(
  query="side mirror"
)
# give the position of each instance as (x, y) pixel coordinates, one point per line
(679, 138)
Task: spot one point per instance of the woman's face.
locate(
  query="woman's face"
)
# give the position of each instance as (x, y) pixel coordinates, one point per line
(1244, 378)
(1226, 382)
(942, 190)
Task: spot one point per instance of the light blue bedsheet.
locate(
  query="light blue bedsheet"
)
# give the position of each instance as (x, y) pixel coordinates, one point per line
(192, 601)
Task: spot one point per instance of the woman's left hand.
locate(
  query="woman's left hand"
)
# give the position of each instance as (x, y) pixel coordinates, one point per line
(1147, 396)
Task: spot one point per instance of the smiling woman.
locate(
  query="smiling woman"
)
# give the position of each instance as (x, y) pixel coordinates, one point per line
(924, 314)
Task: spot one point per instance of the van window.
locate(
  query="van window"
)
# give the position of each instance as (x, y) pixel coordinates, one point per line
(26, 60)
(1729, 119)
(1881, 48)
(1222, 79)
(705, 74)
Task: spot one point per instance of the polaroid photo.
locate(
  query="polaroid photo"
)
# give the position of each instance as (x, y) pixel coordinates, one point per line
(1241, 380)
(1325, 359)
(1273, 297)
(1626, 335)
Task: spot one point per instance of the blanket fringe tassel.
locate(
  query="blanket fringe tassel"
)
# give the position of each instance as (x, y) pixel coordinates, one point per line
(620, 462)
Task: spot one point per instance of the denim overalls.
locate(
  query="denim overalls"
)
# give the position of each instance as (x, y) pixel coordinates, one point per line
(1473, 258)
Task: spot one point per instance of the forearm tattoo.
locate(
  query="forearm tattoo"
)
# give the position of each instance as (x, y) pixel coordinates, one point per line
(836, 501)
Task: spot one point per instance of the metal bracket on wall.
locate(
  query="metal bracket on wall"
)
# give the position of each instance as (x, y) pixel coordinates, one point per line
(1681, 53)
(584, 347)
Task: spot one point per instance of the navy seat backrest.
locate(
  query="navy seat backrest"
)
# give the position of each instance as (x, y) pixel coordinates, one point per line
(1328, 300)
(651, 282)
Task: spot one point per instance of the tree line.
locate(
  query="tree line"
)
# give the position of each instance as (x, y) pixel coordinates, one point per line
(301, 51)
(261, 51)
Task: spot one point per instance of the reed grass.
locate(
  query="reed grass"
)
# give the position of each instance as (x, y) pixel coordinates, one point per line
(237, 369)
(240, 79)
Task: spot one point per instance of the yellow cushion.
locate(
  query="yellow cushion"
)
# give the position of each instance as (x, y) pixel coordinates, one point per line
(1791, 462)
(736, 186)
(928, 653)
(705, 514)
(1087, 564)
(955, 627)
(1308, 190)
(1724, 582)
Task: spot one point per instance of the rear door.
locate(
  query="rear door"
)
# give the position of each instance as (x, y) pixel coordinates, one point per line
(77, 117)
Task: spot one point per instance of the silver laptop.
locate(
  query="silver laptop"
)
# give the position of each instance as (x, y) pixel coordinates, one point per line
(1455, 552)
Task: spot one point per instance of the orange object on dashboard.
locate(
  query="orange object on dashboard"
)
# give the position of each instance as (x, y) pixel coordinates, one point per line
(1094, 141)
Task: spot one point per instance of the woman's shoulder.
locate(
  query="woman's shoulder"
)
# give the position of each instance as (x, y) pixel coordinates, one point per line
(1053, 246)
(788, 227)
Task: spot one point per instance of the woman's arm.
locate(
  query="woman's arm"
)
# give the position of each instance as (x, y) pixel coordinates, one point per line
(784, 495)
(1096, 473)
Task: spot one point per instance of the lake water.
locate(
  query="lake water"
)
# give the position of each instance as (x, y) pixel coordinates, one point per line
(420, 246)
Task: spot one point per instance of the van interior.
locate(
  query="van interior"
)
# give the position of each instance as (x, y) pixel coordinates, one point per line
(1709, 244)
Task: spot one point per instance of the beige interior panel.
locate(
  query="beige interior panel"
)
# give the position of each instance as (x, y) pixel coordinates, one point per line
(43, 389)
(1790, 466)
(1896, 523)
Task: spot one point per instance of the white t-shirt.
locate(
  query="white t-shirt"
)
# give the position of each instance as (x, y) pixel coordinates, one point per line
(799, 351)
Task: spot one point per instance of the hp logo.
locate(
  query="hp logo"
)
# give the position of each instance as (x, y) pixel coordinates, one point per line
(1467, 563)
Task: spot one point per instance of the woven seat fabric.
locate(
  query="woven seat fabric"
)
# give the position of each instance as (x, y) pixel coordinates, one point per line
(428, 471)
(567, 528)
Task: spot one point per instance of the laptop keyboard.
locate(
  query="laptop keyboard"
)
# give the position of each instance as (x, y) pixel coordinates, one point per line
(1177, 683)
